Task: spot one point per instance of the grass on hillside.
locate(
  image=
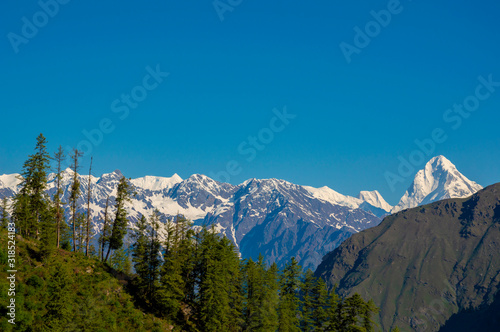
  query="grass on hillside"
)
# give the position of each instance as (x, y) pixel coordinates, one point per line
(67, 292)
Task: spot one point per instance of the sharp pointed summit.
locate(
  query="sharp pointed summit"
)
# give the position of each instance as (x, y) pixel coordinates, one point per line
(438, 180)
(375, 198)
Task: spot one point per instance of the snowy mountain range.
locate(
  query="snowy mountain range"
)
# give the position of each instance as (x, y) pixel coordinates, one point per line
(274, 217)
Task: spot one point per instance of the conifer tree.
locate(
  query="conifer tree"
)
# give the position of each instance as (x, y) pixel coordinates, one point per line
(22, 213)
(47, 228)
(74, 192)
(219, 276)
(320, 304)
(31, 200)
(261, 296)
(80, 231)
(59, 310)
(308, 305)
(120, 261)
(153, 257)
(172, 285)
(4, 216)
(289, 314)
(119, 228)
(59, 157)
(140, 255)
(334, 312)
(271, 299)
(353, 308)
(367, 311)
(87, 224)
(187, 255)
(106, 230)
(253, 285)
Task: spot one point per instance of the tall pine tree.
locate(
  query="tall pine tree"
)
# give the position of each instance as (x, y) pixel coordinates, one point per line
(75, 193)
(119, 228)
(4, 213)
(32, 200)
(308, 305)
(60, 223)
(289, 306)
(106, 230)
(87, 222)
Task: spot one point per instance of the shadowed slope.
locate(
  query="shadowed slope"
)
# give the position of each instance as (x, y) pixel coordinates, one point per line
(422, 265)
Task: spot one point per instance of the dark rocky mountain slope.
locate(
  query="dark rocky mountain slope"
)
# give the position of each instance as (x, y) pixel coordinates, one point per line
(423, 265)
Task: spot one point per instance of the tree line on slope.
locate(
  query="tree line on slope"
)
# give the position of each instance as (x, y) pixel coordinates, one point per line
(195, 277)
(200, 283)
(42, 218)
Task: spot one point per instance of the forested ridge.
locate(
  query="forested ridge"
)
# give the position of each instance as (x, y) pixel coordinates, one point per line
(194, 280)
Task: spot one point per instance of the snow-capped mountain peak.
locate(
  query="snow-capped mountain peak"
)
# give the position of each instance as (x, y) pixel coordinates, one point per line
(438, 180)
(156, 182)
(9, 180)
(375, 198)
(327, 194)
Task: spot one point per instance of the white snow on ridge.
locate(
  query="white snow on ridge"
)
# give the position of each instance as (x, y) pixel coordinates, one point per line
(329, 195)
(156, 182)
(374, 198)
(439, 180)
(10, 181)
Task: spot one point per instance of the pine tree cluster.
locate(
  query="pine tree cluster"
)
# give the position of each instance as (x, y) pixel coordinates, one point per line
(194, 278)
(201, 284)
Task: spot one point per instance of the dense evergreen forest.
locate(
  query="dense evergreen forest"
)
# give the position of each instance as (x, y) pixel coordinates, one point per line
(194, 280)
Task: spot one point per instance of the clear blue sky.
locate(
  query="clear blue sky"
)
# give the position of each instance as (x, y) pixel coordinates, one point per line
(226, 76)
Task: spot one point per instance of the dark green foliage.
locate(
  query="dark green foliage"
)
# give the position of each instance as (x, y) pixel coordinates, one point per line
(308, 305)
(4, 213)
(106, 230)
(68, 292)
(74, 194)
(59, 302)
(260, 289)
(200, 284)
(289, 305)
(60, 222)
(119, 228)
(140, 255)
(176, 269)
(219, 300)
(334, 312)
(320, 304)
(31, 201)
(120, 261)
(48, 240)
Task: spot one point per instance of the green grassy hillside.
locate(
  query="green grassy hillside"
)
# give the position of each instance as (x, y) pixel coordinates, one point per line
(67, 292)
